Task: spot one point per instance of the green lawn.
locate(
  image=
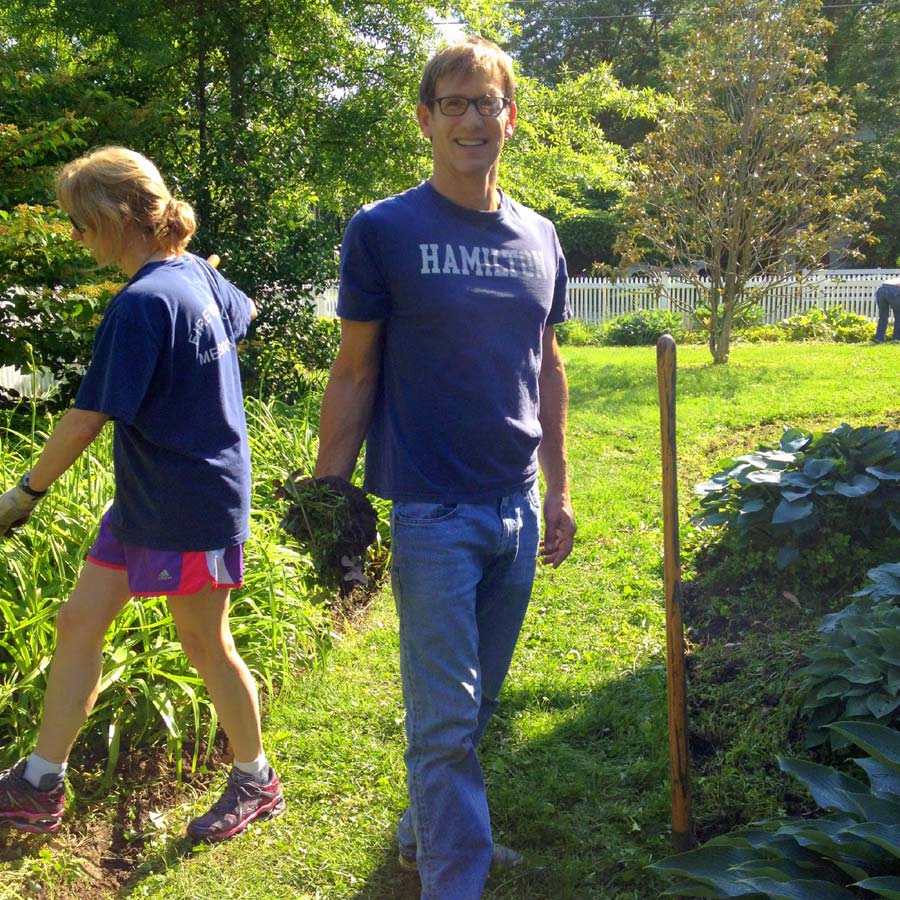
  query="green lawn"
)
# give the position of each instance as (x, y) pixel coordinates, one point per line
(576, 758)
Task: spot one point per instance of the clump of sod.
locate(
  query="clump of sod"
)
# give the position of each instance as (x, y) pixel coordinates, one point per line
(334, 522)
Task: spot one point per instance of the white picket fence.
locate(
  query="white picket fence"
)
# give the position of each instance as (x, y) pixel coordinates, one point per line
(599, 299)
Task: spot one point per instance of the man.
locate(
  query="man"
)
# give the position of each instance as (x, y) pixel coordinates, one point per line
(449, 366)
(888, 299)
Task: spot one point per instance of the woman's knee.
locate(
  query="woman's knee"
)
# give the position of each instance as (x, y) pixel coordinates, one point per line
(204, 650)
(76, 624)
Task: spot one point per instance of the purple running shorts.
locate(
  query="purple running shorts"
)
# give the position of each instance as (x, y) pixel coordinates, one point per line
(153, 573)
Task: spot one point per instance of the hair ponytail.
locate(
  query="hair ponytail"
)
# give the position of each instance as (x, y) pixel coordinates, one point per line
(176, 226)
(112, 187)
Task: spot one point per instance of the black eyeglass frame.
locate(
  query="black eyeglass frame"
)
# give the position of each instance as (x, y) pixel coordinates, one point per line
(473, 101)
(79, 228)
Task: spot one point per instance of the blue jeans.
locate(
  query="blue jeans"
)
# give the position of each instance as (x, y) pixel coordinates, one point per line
(462, 577)
(888, 298)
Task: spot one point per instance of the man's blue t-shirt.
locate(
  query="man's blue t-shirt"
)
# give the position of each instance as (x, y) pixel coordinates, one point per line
(165, 369)
(465, 297)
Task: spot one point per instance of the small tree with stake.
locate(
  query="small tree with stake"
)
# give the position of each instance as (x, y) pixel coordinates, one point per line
(747, 170)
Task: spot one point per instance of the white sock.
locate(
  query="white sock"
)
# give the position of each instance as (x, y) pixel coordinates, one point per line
(37, 767)
(258, 768)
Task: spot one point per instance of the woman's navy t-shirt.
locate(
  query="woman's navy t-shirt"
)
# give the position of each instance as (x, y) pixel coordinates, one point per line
(165, 369)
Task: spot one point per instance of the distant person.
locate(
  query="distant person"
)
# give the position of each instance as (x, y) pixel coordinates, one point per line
(888, 298)
(450, 369)
(165, 370)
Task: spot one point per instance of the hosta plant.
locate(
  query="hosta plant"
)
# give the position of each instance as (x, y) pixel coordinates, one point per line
(854, 668)
(851, 852)
(794, 493)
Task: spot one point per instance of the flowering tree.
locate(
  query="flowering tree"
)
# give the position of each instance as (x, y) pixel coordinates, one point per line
(746, 173)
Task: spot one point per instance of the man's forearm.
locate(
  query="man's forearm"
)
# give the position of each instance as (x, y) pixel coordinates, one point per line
(346, 414)
(349, 398)
(559, 520)
(73, 434)
(554, 394)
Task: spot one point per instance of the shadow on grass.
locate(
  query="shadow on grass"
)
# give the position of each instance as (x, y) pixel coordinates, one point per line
(574, 778)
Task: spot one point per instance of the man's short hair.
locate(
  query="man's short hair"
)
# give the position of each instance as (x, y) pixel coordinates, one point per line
(474, 55)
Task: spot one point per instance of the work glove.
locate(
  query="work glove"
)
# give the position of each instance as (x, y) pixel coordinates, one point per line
(17, 505)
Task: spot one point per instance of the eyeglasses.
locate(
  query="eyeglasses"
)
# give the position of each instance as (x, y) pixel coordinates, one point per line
(79, 228)
(485, 106)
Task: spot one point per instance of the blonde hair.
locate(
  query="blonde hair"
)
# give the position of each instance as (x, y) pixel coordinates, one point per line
(110, 187)
(474, 55)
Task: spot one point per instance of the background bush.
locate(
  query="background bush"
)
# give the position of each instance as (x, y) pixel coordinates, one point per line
(832, 324)
(289, 349)
(644, 328)
(578, 334)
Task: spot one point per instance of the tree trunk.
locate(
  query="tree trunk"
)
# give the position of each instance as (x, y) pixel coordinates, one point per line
(726, 321)
(719, 322)
(238, 53)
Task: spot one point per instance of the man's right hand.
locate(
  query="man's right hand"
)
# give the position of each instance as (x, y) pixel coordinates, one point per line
(16, 506)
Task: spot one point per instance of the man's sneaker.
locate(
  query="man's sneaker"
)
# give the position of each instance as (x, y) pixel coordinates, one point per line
(501, 858)
(243, 800)
(26, 807)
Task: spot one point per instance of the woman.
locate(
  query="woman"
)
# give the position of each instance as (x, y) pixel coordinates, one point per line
(165, 371)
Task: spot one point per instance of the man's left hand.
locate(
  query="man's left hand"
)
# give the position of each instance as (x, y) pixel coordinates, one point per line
(559, 529)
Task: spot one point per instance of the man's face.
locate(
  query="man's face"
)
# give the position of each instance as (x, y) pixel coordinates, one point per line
(466, 147)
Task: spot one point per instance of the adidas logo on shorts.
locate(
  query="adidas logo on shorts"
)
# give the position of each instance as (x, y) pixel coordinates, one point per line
(164, 576)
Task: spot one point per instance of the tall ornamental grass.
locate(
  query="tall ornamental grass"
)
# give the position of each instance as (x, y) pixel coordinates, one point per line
(150, 694)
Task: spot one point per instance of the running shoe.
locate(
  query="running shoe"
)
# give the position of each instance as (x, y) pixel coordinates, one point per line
(243, 801)
(28, 808)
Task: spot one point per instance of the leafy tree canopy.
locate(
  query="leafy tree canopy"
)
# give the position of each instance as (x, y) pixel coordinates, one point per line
(863, 62)
(747, 173)
(552, 37)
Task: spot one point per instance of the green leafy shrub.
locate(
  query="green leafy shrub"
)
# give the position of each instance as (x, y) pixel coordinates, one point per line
(642, 328)
(852, 852)
(51, 297)
(578, 334)
(831, 324)
(30, 154)
(587, 235)
(52, 329)
(854, 667)
(36, 248)
(290, 348)
(815, 496)
(762, 334)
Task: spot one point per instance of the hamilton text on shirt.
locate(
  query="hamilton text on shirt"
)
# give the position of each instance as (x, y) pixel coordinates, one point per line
(485, 262)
